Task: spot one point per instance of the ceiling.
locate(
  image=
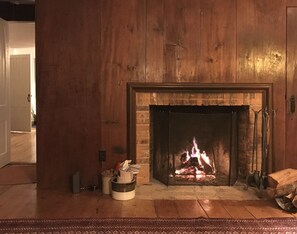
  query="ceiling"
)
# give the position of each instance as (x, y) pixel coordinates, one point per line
(17, 10)
(19, 1)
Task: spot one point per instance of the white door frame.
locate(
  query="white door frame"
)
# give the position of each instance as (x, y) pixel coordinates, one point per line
(4, 95)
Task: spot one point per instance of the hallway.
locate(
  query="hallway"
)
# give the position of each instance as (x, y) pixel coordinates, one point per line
(23, 147)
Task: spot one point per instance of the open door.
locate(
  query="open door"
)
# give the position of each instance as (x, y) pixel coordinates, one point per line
(20, 96)
(4, 96)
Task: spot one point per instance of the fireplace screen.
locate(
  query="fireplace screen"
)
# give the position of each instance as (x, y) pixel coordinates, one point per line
(194, 144)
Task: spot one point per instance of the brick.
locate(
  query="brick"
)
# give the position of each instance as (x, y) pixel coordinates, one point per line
(144, 100)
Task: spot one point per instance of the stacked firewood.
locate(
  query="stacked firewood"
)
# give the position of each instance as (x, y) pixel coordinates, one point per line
(283, 187)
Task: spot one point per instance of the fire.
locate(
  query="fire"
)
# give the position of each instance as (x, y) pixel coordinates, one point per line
(195, 163)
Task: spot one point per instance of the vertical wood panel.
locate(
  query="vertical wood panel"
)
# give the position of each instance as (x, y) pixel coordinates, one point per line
(218, 41)
(90, 61)
(154, 41)
(261, 58)
(260, 48)
(67, 130)
(291, 3)
(182, 42)
(291, 128)
(123, 55)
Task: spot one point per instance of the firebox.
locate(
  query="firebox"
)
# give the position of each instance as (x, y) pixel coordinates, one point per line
(195, 144)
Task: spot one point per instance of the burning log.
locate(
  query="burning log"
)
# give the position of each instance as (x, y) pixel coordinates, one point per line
(194, 166)
(186, 171)
(206, 163)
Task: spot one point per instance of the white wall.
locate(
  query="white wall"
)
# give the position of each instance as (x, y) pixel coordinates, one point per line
(22, 41)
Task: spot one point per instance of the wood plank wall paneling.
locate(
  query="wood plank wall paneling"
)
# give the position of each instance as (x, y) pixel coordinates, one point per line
(218, 41)
(291, 128)
(87, 53)
(181, 40)
(154, 54)
(123, 60)
(291, 3)
(261, 58)
(67, 92)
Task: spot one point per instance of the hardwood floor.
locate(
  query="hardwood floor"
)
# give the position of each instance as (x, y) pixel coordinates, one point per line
(23, 147)
(25, 201)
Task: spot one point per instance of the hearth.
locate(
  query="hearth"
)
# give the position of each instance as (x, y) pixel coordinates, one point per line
(195, 144)
(216, 142)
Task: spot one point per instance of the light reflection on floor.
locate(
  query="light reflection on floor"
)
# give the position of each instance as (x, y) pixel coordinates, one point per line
(156, 190)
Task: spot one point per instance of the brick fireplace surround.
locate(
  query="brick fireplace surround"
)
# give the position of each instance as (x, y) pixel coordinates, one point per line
(142, 95)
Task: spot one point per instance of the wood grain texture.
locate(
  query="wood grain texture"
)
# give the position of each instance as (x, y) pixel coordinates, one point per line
(181, 42)
(165, 208)
(236, 210)
(23, 147)
(25, 201)
(189, 209)
(123, 54)
(67, 138)
(291, 120)
(261, 58)
(86, 54)
(291, 3)
(264, 209)
(139, 208)
(214, 209)
(154, 56)
(218, 41)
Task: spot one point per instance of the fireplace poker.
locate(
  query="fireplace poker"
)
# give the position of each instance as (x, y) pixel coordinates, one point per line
(253, 176)
(263, 179)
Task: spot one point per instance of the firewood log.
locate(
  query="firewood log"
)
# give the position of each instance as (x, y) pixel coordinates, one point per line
(294, 201)
(291, 196)
(283, 177)
(270, 193)
(285, 189)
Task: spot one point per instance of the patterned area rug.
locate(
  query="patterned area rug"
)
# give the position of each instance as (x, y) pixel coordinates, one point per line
(149, 226)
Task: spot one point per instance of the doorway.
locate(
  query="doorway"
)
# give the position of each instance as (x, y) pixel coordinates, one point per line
(23, 95)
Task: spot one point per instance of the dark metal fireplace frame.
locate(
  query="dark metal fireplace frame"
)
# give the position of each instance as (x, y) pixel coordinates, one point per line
(133, 88)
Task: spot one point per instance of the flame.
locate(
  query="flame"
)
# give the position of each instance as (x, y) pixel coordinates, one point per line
(202, 165)
(196, 154)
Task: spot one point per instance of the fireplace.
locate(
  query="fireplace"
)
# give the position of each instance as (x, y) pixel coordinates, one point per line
(202, 134)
